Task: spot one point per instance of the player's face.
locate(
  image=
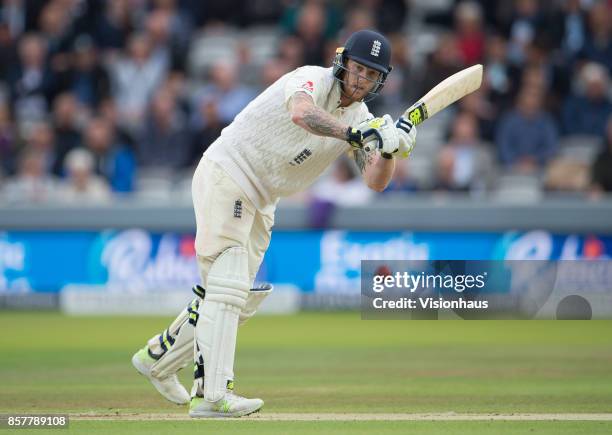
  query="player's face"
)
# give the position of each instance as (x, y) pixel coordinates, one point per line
(359, 80)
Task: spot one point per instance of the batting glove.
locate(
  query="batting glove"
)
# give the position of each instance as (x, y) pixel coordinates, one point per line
(407, 137)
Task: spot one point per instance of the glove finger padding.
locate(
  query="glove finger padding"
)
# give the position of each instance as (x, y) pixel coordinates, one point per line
(369, 131)
(371, 139)
(407, 137)
(387, 138)
(389, 143)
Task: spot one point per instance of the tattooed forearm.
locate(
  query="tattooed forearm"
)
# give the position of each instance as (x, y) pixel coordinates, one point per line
(321, 122)
(362, 159)
(314, 119)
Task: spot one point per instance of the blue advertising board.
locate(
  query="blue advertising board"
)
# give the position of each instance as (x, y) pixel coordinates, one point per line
(314, 261)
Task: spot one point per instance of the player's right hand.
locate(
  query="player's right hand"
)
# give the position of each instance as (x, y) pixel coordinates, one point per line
(381, 131)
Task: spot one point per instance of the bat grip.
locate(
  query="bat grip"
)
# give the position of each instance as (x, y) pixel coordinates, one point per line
(417, 113)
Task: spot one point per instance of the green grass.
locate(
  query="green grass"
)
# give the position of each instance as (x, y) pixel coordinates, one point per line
(348, 428)
(324, 363)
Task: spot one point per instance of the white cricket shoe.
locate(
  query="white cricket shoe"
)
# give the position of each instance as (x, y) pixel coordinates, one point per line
(231, 405)
(169, 387)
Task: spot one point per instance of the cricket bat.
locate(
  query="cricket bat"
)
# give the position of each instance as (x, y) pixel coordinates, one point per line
(445, 93)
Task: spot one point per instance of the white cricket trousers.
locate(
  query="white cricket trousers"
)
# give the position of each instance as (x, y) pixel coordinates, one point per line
(225, 217)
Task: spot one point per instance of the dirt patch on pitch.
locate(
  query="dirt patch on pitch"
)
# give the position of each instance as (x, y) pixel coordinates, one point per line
(358, 417)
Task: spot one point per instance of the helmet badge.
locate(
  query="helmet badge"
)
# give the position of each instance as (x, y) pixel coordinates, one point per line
(375, 48)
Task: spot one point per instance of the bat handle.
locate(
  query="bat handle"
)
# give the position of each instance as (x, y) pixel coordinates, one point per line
(369, 143)
(417, 113)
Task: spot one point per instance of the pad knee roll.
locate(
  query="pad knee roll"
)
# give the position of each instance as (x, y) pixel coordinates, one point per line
(228, 278)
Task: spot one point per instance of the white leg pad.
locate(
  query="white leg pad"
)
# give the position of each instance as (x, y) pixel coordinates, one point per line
(180, 353)
(227, 289)
(256, 297)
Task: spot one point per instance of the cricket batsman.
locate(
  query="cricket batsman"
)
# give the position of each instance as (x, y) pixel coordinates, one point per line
(278, 145)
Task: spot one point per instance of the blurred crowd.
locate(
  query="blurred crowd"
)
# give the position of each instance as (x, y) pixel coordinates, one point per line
(100, 98)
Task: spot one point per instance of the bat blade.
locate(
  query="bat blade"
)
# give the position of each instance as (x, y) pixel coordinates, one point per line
(445, 93)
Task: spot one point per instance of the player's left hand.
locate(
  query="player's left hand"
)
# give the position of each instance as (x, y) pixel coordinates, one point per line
(407, 137)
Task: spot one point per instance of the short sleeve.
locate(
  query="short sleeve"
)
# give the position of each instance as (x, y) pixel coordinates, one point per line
(311, 80)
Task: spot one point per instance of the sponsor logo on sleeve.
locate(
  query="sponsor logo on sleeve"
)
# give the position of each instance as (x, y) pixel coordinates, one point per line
(308, 86)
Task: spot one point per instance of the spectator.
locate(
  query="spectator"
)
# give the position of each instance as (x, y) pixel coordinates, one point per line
(601, 172)
(135, 78)
(250, 71)
(483, 111)
(442, 63)
(56, 29)
(206, 135)
(82, 184)
(40, 138)
(108, 111)
(499, 74)
(176, 85)
(598, 45)
(552, 75)
(524, 26)
(165, 140)
(291, 52)
(114, 25)
(470, 34)
(534, 77)
(231, 97)
(31, 81)
(327, 25)
(310, 29)
(218, 13)
(569, 28)
(32, 183)
(13, 16)
(464, 163)
(8, 56)
(267, 12)
(527, 135)
(87, 79)
(180, 28)
(165, 51)
(8, 141)
(357, 18)
(587, 111)
(273, 70)
(390, 14)
(66, 117)
(112, 160)
(21, 16)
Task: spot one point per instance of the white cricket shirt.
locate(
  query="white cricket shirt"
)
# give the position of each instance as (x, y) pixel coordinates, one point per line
(267, 154)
